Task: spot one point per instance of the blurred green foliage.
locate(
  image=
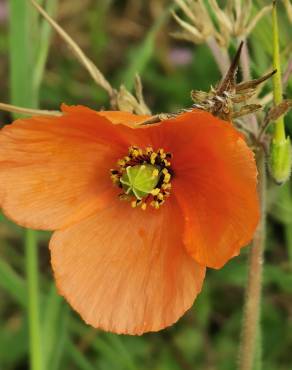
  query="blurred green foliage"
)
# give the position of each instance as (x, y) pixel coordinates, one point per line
(125, 37)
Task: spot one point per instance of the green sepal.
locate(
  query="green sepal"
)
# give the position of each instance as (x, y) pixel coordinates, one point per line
(280, 160)
(139, 180)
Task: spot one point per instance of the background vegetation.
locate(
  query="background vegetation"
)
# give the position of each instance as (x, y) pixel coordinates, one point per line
(125, 37)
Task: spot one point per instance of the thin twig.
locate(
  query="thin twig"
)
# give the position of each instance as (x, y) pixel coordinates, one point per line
(95, 73)
(28, 111)
(154, 119)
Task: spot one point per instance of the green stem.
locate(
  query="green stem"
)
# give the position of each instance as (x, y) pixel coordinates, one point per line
(252, 312)
(33, 300)
(280, 157)
(279, 134)
(22, 57)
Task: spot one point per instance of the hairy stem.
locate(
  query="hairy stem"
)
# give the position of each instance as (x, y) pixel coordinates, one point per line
(252, 311)
(245, 66)
(279, 134)
(220, 55)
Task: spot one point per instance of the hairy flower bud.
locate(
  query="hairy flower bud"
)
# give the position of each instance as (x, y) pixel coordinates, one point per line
(280, 160)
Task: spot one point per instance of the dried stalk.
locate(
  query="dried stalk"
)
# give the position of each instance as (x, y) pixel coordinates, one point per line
(28, 111)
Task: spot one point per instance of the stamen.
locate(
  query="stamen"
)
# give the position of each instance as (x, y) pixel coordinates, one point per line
(155, 191)
(144, 177)
(153, 157)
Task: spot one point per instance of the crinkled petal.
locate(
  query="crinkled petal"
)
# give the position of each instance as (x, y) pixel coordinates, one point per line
(214, 173)
(54, 171)
(214, 180)
(125, 270)
(215, 184)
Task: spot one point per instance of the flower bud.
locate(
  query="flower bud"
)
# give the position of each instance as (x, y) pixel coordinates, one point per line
(280, 160)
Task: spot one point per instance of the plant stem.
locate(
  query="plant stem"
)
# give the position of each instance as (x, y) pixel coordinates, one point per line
(33, 299)
(279, 134)
(220, 55)
(23, 93)
(252, 312)
(246, 74)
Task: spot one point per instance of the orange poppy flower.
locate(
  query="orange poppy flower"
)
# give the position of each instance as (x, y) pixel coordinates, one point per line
(138, 211)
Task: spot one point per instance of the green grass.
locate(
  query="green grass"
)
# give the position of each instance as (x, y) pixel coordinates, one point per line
(24, 87)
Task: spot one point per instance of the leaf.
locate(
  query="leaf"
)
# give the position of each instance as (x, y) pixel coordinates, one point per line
(54, 328)
(12, 283)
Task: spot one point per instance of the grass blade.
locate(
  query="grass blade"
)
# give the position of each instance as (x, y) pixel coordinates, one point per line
(11, 282)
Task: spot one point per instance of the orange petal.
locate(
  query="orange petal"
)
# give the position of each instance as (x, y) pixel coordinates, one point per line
(115, 117)
(126, 270)
(215, 180)
(215, 183)
(54, 171)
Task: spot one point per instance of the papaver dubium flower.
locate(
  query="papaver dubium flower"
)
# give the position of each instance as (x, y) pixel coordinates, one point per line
(138, 212)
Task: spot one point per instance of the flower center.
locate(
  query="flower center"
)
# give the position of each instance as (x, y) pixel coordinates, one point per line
(144, 176)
